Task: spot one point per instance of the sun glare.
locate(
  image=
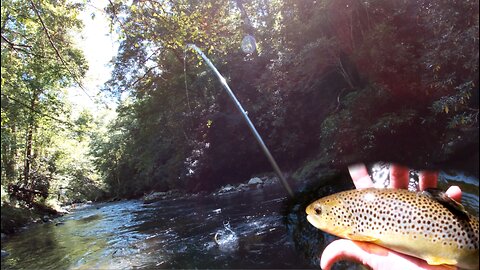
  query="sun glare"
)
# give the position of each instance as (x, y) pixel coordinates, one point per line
(99, 46)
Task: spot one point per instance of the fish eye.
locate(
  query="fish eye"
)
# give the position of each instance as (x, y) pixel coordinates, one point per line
(318, 210)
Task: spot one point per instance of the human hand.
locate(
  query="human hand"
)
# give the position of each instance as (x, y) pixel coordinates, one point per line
(374, 256)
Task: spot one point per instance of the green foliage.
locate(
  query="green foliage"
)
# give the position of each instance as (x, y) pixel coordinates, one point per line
(332, 82)
(14, 217)
(43, 147)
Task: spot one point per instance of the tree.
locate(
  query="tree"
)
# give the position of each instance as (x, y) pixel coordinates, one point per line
(39, 60)
(331, 81)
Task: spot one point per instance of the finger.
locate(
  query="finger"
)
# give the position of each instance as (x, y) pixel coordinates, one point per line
(428, 179)
(455, 193)
(399, 176)
(360, 176)
(371, 255)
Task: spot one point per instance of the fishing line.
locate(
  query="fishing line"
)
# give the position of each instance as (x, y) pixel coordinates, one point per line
(185, 76)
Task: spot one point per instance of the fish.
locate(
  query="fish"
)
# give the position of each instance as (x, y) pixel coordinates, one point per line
(427, 225)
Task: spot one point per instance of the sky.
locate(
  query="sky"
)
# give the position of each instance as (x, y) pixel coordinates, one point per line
(99, 47)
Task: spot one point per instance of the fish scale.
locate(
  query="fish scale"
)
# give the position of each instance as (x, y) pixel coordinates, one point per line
(412, 223)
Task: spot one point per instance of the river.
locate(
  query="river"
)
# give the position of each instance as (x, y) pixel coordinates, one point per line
(256, 228)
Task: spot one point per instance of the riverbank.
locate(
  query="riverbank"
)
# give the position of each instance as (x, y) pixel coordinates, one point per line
(256, 182)
(16, 218)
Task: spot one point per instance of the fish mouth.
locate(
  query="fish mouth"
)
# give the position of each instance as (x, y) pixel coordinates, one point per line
(314, 220)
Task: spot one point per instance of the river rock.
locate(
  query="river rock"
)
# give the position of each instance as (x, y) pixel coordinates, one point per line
(45, 218)
(242, 187)
(174, 193)
(226, 188)
(255, 181)
(153, 197)
(270, 180)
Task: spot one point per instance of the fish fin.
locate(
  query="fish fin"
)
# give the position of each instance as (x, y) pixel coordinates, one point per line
(453, 206)
(361, 238)
(439, 261)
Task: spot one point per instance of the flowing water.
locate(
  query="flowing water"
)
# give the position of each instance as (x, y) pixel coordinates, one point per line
(175, 233)
(256, 228)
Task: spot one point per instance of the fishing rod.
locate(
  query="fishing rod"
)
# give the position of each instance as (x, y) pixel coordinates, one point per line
(245, 116)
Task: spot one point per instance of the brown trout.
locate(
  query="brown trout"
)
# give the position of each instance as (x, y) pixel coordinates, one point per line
(425, 225)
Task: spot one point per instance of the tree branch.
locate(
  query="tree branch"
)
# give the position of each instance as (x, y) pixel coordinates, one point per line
(14, 45)
(19, 49)
(46, 30)
(144, 75)
(35, 111)
(114, 13)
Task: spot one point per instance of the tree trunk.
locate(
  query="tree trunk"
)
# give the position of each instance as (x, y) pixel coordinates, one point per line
(9, 156)
(29, 141)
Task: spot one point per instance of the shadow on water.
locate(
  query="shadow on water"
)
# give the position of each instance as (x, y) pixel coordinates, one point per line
(309, 240)
(257, 228)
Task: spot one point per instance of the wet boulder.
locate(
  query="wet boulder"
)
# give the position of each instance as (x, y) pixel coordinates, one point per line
(158, 196)
(270, 180)
(154, 196)
(225, 189)
(242, 187)
(255, 181)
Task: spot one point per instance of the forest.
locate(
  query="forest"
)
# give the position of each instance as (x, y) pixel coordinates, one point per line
(330, 83)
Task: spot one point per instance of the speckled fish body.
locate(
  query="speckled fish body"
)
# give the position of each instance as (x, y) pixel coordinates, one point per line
(411, 223)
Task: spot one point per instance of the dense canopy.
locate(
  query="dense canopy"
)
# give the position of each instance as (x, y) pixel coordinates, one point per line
(330, 83)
